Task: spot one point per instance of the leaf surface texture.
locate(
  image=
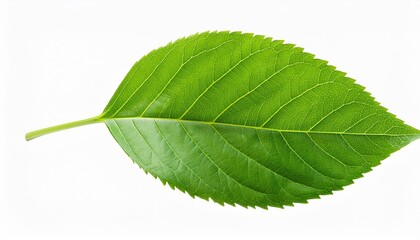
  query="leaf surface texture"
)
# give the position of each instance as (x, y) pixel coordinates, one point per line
(244, 119)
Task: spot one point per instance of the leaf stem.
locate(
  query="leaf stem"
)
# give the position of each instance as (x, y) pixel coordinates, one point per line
(44, 131)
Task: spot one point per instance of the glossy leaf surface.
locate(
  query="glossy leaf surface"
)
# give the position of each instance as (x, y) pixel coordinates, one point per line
(246, 120)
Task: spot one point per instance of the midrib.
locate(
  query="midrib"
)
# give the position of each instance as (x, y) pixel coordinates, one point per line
(259, 128)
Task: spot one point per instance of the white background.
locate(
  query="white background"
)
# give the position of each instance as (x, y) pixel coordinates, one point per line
(62, 60)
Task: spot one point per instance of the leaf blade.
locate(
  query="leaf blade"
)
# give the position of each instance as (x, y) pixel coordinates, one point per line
(269, 95)
(248, 120)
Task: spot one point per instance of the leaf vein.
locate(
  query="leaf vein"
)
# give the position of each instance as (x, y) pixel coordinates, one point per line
(181, 161)
(265, 167)
(227, 175)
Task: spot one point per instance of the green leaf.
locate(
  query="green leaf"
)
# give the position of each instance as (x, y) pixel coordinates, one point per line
(246, 120)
